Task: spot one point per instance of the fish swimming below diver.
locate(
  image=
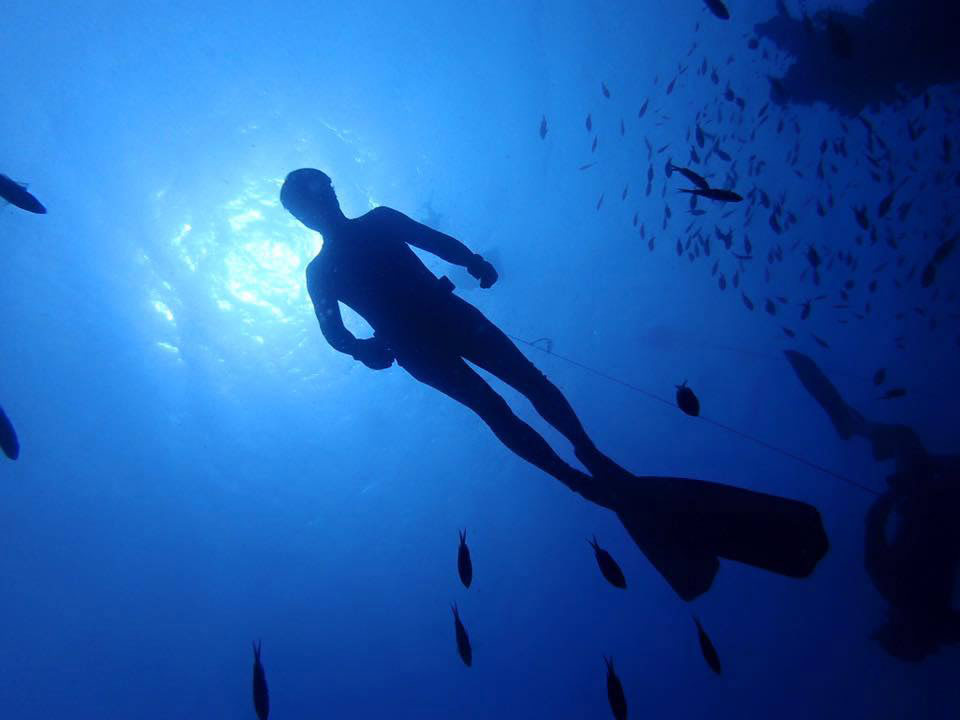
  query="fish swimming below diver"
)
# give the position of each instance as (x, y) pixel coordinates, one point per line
(8, 437)
(16, 194)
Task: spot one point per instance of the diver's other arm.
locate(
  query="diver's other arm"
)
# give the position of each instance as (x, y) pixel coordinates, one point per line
(372, 352)
(442, 245)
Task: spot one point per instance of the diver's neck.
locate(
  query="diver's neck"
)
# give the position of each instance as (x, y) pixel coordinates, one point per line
(334, 227)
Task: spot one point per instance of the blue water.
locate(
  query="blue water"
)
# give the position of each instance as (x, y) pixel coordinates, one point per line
(199, 469)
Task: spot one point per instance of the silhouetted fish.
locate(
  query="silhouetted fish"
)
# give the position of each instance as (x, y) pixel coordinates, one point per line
(543, 127)
(879, 376)
(747, 301)
(16, 194)
(618, 701)
(707, 648)
(464, 564)
(261, 697)
(589, 123)
(689, 174)
(718, 8)
(717, 194)
(463, 641)
(605, 89)
(687, 400)
(608, 566)
(893, 393)
(8, 437)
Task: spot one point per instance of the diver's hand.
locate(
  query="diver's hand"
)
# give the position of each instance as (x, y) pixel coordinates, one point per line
(374, 354)
(482, 271)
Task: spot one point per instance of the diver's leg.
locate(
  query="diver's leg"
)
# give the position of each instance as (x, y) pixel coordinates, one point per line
(453, 377)
(484, 344)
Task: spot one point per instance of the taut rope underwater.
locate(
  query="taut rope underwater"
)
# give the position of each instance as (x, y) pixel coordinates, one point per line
(547, 348)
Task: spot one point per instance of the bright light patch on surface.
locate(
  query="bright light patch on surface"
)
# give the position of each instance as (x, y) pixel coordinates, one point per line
(245, 257)
(167, 347)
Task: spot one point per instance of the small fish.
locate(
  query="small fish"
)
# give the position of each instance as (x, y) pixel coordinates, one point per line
(722, 282)
(596, 139)
(884, 207)
(860, 213)
(687, 399)
(945, 249)
(605, 89)
(813, 257)
(618, 701)
(16, 194)
(879, 376)
(643, 109)
(718, 8)
(748, 303)
(690, 175)
(770, 307)
(788, 332)
(8, 437)
(821, 342)
(707, 648)
(464, 563)
(718, 194)
(600, 201)
(608, 566)
(587, 166)
(589, 123)
(463, 640)
(261, 696)
(893, 393)
(929, 275)
(543, 127)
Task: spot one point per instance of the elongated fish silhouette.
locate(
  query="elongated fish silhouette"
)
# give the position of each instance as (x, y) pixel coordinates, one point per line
(8, 437)
(261, 697)
(16, 194)
(707, 648)
(608, 566)
(618, 701)
(464, 564)
(463, 640)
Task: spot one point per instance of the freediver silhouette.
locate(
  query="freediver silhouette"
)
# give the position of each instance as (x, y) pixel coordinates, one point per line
(681, 525)
(914, 567)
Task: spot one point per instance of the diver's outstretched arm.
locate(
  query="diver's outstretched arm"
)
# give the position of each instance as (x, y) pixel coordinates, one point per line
(426, 238)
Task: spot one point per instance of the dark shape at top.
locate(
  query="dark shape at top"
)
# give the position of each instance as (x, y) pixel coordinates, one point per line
(8, 437)
(16, 194)
(464, 563)
(895, 50)
(261, 697)
(718, 8)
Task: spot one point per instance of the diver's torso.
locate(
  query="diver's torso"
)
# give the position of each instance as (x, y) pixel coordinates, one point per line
(371, 270)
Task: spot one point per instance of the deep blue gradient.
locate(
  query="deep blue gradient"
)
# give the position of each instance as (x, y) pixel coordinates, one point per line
(199, 470)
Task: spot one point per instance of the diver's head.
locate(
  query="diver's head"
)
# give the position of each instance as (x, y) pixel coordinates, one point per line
(308, 195)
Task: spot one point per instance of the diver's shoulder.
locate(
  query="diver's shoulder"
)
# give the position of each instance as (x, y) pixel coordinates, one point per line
(383, 214)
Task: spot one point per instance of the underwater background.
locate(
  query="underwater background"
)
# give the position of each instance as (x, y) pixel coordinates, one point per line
(200, 470)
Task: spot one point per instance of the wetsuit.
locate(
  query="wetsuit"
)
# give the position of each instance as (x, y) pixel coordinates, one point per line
(370, 267)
